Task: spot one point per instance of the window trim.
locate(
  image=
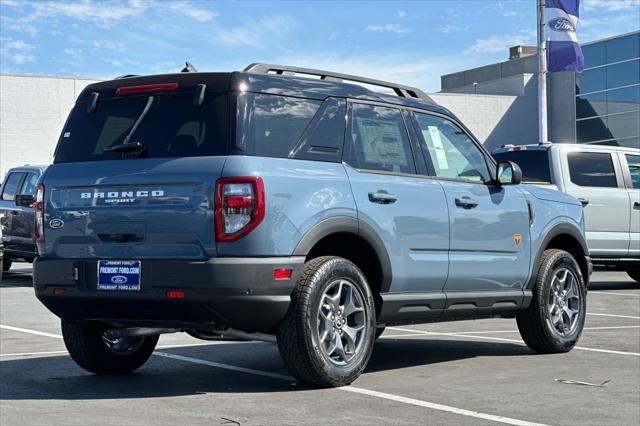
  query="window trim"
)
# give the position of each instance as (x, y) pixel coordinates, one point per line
(489, 161)
(346, 152)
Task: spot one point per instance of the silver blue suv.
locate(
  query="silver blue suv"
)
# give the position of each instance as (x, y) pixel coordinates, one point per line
(266, 204)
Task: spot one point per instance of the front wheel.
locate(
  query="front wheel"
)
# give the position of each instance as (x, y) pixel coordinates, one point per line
(554, 320)
(327, 336)
(94, 349)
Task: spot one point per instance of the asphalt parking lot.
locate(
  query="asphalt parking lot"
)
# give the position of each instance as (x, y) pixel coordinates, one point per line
(470, 372)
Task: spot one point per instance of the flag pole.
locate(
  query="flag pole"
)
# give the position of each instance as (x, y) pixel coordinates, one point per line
(542, 75)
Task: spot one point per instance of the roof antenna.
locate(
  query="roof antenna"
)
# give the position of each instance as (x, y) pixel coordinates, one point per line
(189, 68)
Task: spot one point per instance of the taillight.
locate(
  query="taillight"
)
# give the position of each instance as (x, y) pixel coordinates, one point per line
(240, 206)
(38, 209)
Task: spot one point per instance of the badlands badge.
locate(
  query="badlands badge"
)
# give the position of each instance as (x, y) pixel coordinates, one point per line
(516, 239)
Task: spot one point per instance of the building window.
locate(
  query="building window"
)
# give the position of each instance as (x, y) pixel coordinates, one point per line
(608, 93)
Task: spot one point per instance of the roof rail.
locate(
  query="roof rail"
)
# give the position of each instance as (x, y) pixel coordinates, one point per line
(398, 89)
(125, 76)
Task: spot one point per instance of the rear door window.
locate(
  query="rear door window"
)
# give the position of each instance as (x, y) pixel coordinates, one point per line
(592, 169)
(11, 186)
(634, 169)
(534, 164)
(378, 140)
(173, 127)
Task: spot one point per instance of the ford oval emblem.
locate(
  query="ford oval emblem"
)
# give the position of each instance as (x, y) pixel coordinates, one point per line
(118, 279)
(56, 223)
(562, 24)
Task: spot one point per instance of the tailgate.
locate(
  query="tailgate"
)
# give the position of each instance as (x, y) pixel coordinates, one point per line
(137, 209)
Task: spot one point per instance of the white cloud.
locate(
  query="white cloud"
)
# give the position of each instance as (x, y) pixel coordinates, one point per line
(109, 45)
(187, 9)
(611, 5)
(450, 28)
(500, 43)
(17, 50)
(388, 28)
(104, 12)
(74, 54)
(268, 31)
(402, 14)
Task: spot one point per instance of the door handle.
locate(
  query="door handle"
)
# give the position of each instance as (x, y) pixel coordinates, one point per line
(636, 205)
(583, 201)
(382, 197)
(466, 203)
(13, 212)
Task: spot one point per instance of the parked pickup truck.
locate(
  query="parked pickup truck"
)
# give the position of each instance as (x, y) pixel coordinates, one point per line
(266, 204)
(605, 179)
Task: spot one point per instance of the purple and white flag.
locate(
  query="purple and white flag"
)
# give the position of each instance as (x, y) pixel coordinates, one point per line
(563, 49)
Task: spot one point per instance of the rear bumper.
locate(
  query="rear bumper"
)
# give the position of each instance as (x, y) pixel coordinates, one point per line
(221, 292)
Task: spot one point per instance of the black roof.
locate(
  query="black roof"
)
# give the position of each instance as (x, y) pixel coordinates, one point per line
(264, 83)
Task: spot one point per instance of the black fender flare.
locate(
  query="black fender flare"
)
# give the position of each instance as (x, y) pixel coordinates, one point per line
(562, 228)
(349, 225)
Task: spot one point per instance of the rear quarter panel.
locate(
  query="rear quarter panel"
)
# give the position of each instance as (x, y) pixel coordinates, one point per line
(298, 195)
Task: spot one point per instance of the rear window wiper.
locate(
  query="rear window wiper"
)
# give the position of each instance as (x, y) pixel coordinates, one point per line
(136, 146)
(127, 147)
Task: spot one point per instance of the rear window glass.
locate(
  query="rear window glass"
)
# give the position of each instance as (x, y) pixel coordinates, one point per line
(271, 125)
(534, 164)
(11, 186)
(592, 169)
(173, 127)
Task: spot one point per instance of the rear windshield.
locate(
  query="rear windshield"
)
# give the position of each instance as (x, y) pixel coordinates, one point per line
(172, 127)
(534, 164)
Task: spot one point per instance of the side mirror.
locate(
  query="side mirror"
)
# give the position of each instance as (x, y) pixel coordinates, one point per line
(508, 173)
(25, 200)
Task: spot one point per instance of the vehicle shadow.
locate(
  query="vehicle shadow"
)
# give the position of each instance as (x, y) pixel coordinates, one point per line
(58, 378)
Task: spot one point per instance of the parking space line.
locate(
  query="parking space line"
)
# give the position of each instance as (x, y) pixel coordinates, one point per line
(25, 330)
(613, 294)
(500, 339)
(34, 353)
(614, 327)
(352, 389)
(612, 315)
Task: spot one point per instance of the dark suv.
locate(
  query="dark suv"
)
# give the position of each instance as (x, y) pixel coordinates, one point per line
(265, 204)
(17, 194)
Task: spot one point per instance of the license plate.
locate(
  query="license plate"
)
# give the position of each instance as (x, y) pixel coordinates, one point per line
(119, 275)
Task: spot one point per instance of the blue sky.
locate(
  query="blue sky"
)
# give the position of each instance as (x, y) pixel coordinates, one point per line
(408, 42)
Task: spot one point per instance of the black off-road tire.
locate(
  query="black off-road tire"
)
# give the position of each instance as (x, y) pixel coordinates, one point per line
(634, 273)
(297, 335)
(6, 264)
(88, 349)
(535, 328)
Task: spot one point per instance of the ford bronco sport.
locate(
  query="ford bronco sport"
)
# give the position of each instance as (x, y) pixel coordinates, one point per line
(267, 204)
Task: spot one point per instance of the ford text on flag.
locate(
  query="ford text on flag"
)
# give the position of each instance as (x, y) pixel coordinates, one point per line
(563, 49)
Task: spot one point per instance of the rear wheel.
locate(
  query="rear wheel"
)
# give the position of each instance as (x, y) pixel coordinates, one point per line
(634, 273)
(327, 336)
(554, 320)
(95, 350)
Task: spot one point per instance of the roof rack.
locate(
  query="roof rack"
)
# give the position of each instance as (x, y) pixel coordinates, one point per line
(398, 89)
